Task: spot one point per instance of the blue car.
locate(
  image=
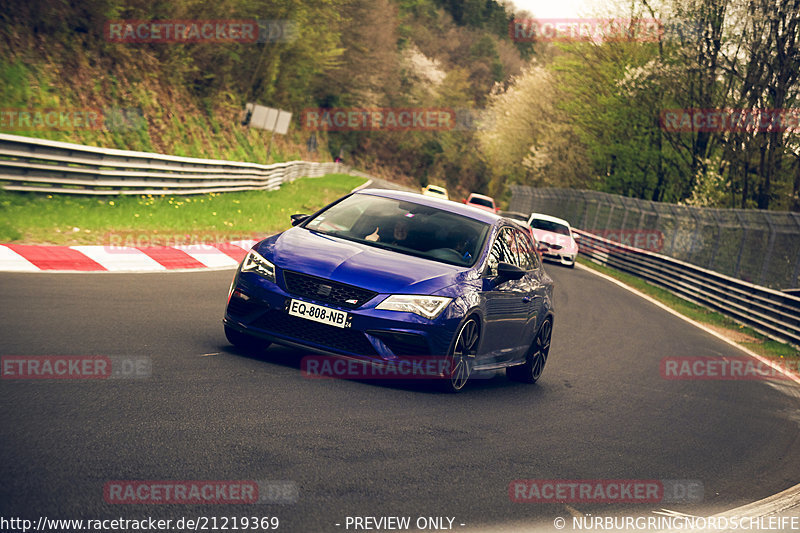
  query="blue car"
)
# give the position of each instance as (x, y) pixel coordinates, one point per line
(378, 276)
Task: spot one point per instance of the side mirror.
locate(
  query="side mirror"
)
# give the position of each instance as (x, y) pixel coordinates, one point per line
(507, 272)
(298, 218)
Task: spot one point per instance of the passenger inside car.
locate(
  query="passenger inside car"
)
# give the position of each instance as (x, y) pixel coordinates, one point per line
(391, 232)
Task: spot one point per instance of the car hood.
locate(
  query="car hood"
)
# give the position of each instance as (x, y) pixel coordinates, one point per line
(358, 264)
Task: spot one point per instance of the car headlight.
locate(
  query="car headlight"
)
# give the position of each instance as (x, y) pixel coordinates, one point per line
(253, 262)
(425, 306)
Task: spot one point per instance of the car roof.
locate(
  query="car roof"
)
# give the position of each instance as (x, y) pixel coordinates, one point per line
(476, 195)
(439, 203)
(541, 216)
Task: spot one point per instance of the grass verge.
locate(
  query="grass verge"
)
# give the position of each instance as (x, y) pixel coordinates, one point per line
(742, 335)
(36, 218)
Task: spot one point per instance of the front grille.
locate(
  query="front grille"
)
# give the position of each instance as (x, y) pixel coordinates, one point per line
(336, 339)
(327, 291)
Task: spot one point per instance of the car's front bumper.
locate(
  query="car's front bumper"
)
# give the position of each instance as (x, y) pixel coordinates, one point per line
(374, 335)
(564, 259)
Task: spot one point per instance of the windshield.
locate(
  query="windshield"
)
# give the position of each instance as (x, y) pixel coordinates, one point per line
(404, 227)
(549, 225)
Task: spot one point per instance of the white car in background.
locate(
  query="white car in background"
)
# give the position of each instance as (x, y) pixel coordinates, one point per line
(555, 237)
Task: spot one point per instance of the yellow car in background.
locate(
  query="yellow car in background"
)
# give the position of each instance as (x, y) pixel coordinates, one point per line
(435, 191)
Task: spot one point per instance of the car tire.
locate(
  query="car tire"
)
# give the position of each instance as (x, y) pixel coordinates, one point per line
(535, 359)
(462, 356)
(245, 341)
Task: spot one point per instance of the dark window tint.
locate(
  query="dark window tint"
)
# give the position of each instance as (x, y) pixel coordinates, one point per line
(549, 225)
(404, 227)
(527, 257)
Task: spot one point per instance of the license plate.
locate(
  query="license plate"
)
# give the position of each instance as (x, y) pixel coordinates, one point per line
(318, 313)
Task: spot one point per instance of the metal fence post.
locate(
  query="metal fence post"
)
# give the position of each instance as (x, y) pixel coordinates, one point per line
(716, 240)
(796, 274)
(696, 234)
(741, 244)
(770, 247)
(585, 217)
(624, 215)
(596, 215)
(674, 229)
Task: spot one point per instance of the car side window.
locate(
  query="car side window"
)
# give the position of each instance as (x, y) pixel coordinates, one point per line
(528, 258)
(503, 249)
(511, 246)
(495, 256)
(534, 256)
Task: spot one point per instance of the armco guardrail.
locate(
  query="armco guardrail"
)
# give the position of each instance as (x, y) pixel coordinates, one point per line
(30, 164)
(773, 313)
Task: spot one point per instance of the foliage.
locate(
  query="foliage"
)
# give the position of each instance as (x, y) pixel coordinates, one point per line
(190, 97)
(606, 96)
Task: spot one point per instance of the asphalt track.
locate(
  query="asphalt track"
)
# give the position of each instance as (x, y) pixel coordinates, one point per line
(354, 448)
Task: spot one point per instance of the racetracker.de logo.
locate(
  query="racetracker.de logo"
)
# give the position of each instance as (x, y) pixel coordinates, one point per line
(51, 119)
(18, 367)
(585, 29)
(733, 120)
(605, 490)
(131, 242)
(182, 31)
(379, 119)
(200, 492)
(409, 367)
(71, 119)
(726, 369)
